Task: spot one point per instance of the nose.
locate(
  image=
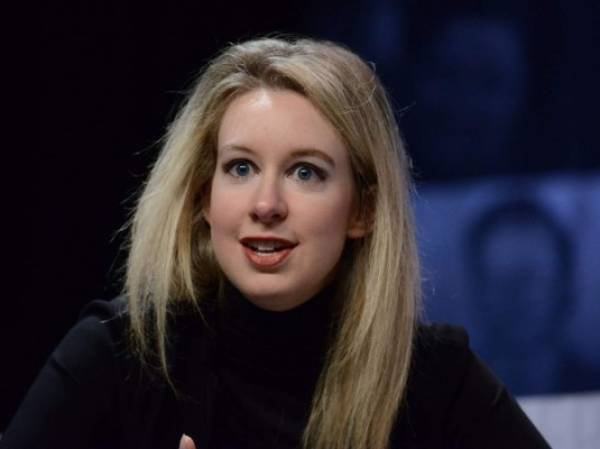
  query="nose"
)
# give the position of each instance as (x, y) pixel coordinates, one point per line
(269, 205)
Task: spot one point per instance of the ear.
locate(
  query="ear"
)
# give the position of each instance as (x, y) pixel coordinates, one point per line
(206, 214)
(362, 220)
(205, 204)
(357, 229)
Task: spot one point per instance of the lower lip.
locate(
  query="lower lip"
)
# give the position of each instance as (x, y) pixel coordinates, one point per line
(267, 260)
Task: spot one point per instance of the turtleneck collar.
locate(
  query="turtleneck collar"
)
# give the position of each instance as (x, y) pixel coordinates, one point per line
(278, 348)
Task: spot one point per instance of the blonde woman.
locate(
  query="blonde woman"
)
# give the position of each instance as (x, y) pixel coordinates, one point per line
(271, 297)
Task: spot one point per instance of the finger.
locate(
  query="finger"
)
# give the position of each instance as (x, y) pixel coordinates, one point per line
(186, 442)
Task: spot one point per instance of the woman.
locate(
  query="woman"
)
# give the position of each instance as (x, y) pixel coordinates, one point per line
(272, 285)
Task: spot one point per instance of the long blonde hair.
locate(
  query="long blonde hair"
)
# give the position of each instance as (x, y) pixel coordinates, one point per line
(363, 381)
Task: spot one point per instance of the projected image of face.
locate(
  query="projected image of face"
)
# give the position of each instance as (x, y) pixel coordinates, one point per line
(282, 198)
(471, 89)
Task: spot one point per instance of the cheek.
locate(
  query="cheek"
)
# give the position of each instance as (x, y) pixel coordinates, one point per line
(225, 213)
(324, 230)
(326, 219)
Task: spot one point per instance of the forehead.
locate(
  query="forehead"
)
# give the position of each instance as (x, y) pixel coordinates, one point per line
(278, 120)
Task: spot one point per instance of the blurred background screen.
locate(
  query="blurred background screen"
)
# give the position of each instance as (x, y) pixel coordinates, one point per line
(498, 103)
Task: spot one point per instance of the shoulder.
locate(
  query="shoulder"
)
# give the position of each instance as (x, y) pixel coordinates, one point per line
(441, 359)
(455, 397)
(97, 364)
(77, 387)
(101, 325)
(440, 348)
(444, 361)
(440, 363)
(91, 346)
(440, 340)
(100, 340)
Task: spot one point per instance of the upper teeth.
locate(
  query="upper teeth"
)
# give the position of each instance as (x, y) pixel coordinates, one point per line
(265, 246)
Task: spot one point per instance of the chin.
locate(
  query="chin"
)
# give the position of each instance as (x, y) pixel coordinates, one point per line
(273, 296)
(275, 302)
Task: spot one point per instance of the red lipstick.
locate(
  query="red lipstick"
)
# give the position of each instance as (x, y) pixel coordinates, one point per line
(267, 251)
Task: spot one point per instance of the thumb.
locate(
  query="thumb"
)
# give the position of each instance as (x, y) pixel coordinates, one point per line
(186, 442)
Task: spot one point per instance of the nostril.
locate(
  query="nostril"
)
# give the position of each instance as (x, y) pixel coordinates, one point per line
(269, 211)
(266, 216)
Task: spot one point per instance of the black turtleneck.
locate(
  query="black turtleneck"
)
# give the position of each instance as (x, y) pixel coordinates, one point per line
(246, 381)
(268, 364)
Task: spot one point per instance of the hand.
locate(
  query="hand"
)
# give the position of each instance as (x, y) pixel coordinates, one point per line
(186, 442)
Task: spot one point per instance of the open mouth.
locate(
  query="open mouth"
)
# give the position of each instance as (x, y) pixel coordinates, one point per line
(267, 247)
(268, 252)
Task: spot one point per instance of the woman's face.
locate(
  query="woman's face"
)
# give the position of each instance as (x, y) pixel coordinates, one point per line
(282, 198)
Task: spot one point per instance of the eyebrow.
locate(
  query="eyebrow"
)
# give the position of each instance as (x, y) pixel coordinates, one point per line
(296, 153)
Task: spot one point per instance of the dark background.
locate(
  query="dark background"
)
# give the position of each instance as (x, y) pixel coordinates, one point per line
(110, 75)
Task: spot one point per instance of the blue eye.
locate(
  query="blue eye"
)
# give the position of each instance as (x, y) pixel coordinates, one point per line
(238, 168)
(309, 173)
(304, 173)
(242, 169)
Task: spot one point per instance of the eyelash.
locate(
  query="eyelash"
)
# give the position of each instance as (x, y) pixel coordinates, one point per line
(318, 171)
